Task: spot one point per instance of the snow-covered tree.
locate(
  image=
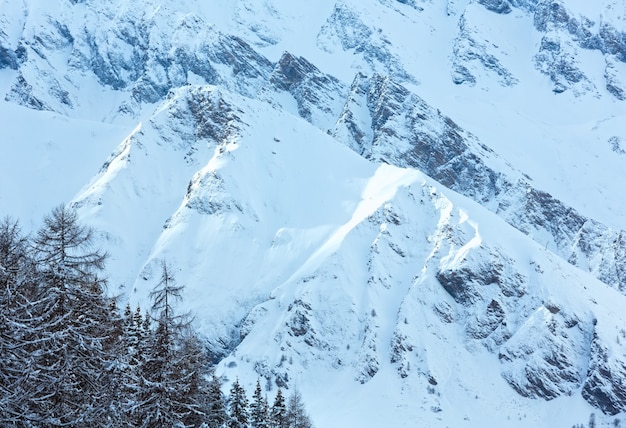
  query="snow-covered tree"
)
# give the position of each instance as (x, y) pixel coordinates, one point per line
(238, 412)
(134, 344)
(69, 380)
(297, 416)
(172, 390)
(278, 412)
(163, 297)
(15, 273)
(258, 409)
(216, 404)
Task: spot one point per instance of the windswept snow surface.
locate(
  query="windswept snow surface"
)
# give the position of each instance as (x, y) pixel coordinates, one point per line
(47, 158)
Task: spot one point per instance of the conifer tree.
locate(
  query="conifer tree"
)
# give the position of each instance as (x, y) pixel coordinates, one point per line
(296, 415)
(166, 293)
(134, 344)
(278, 413)
(258, 409)
(171, 392)
(15, 273)
(70, 377)
(216, 409)
(238, 412)
(193, 369)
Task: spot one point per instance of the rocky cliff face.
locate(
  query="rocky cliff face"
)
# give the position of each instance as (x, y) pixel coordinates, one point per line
(565, 35)
(372, 233)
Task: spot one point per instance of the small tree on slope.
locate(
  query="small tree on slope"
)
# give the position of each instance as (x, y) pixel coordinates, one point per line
(296, 413)
(278, 413)
(238, 416)
(258, 409)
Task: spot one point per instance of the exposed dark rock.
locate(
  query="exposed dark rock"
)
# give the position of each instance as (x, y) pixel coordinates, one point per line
(116, 73)
(550, 13)
(368, 366)
(616, 145)
(22, 93)
(300, 324)
(547, 356)
(497, 6)
(460, 284)
(487, 324)
(445, 312)
(545, 212)
(560, 64)
(528, 5)
(606, 247)
(346, 27)
(468, 50)
(312, 89)
(410, 3)
(400, 347)
(462, 75)
(214, 117)
(613, 74)
(604, 387)
(241, 58)
(403, 130)
(8, 58)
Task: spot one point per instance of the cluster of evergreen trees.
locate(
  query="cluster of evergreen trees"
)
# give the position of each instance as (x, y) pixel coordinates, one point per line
(258, 413)
(70, 358)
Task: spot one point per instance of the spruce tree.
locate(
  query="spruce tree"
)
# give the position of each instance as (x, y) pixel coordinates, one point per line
(166, 293)
(278, 413)
(238, 412)
(134, 344)
(216, 410)
(258, 409)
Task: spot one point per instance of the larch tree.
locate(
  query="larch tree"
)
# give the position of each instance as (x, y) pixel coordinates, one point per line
(72, 326)
(296, 415)
(15, 287)
(171, 387)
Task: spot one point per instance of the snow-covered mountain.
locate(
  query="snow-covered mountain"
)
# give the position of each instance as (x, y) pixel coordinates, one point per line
(410, 210)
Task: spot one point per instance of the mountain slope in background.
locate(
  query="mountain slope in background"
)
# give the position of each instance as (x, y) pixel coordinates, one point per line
(407, 207)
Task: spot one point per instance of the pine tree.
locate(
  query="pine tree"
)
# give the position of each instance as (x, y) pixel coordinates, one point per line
(258, 409)
(238, 413)
(70, 377)
(278, 413)
(296, 415)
